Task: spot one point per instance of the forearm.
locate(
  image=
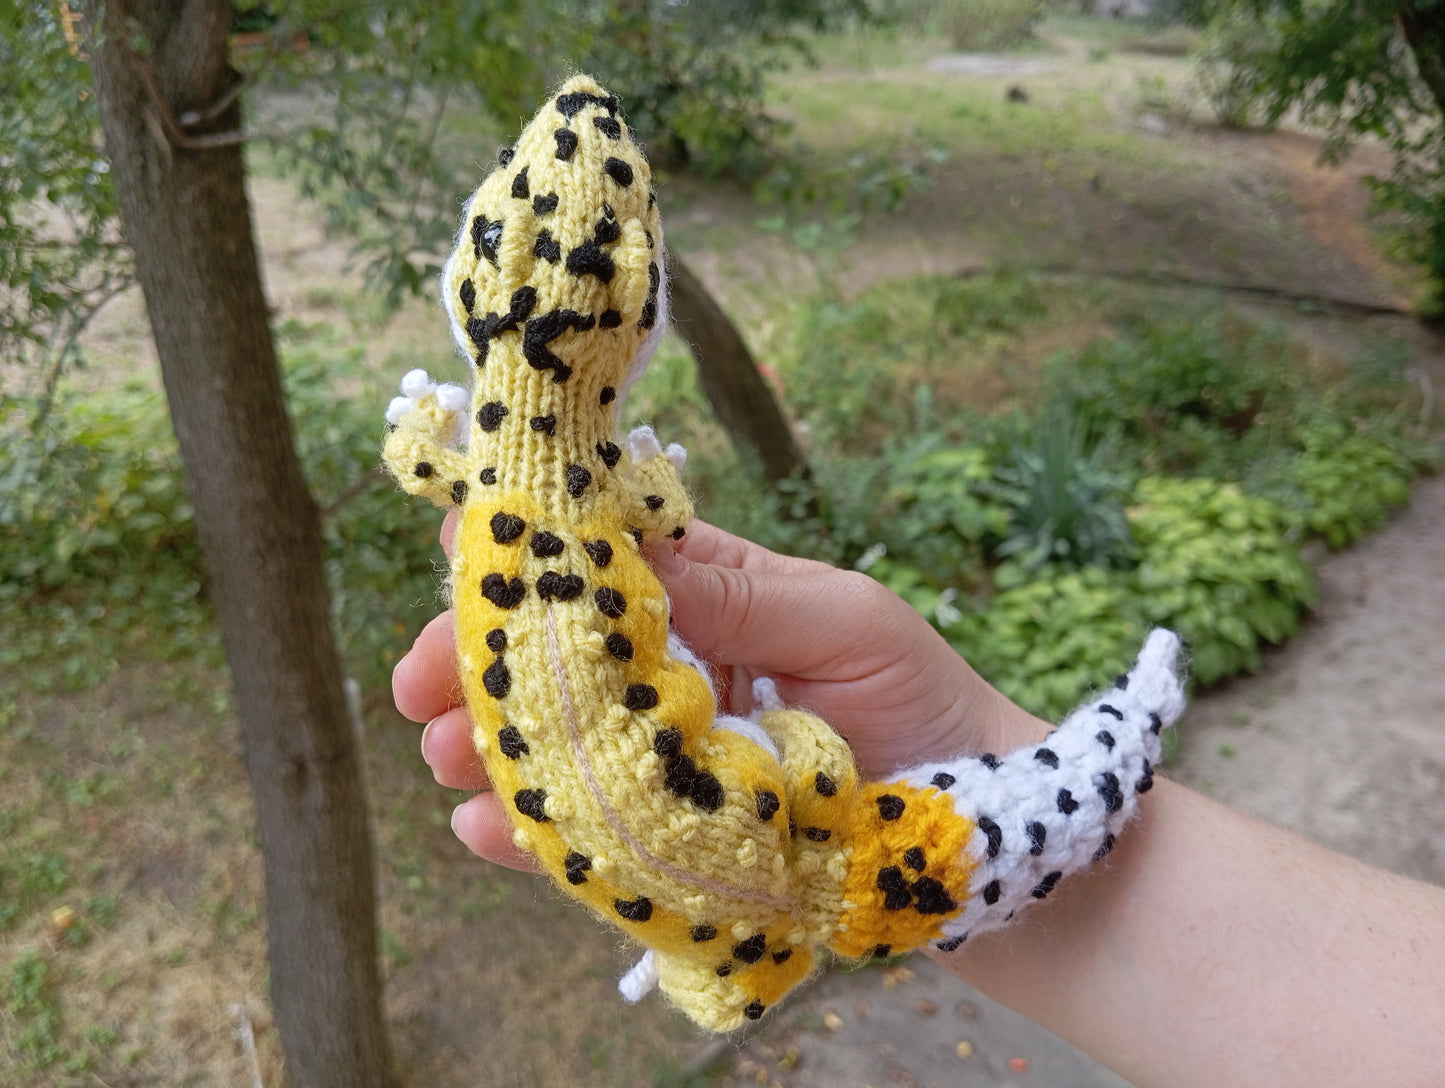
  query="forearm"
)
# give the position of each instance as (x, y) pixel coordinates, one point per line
(1212, 949)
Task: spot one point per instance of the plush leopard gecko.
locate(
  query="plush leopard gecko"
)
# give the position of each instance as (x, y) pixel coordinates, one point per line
(731, 848)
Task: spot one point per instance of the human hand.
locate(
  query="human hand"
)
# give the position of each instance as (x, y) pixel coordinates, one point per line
(836, 642)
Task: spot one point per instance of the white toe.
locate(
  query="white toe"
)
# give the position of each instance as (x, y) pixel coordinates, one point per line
(417, 384)
(451, 397)
(643, 443)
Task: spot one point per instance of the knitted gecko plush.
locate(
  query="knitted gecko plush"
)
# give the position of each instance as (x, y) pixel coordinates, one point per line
(731, 848)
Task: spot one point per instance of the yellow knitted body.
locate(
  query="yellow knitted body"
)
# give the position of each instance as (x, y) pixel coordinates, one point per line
(730, 849)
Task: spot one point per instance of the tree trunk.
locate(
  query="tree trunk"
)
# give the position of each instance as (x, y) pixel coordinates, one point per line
(186, 217)
(730, 379)
(1423, 26)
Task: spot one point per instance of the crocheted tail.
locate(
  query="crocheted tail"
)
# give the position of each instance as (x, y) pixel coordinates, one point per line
(1029, 818)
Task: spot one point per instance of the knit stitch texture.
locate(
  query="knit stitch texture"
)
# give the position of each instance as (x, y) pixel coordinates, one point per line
(731, 849)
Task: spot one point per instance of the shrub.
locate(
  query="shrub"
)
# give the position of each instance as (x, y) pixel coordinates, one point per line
(1347, 481)
(1218, 567)
(980, 25)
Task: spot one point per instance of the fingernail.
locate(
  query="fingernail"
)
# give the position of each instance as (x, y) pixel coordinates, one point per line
(424, 732)
(455, 813)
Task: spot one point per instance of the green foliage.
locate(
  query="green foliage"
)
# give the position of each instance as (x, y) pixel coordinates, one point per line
(1181, 393)
(60, 253)
(1348, 480)
(1350, 70)
(1066, 499)
(982, 25)
(1220, 568)
(29, 999)
(1051, 634)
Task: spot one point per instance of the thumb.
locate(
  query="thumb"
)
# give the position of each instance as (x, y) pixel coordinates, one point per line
(782, 622)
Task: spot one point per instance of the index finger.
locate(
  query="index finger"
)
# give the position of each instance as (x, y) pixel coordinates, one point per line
(426, 683)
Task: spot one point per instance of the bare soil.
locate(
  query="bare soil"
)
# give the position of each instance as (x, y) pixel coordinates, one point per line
(491, 978)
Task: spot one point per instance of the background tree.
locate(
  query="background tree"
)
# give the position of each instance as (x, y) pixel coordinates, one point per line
(1371, 68)
(182, 199)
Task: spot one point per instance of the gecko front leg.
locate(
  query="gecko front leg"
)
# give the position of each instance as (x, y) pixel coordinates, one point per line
(422, 424)
(655, 500)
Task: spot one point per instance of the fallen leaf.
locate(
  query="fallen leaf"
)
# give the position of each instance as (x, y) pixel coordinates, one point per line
(1018, 1065)
(925, 1008)
(964, 1049)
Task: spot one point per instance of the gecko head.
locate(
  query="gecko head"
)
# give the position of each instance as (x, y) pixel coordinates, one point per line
(558, 265)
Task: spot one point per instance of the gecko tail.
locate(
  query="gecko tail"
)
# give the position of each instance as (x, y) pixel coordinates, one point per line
(1049, 810)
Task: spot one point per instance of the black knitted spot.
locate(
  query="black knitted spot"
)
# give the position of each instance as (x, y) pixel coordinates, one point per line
(609, 127)
(531, 803)
(768, 804)
(824, 785)
(566, 143)
(609, 319)
(1105, 708)
(1146, 783)
(678, 533)
(489, 416)
(679, 776)
(540, 333)
(459, 491)
(754, 1010)
(1156, 723)
(1104, 737)
(610, 453)
(496, 640)
(1037, 833)
(634, 910)
(817, 834)
(1066, 803)
(504, 156)
(502, 593)
(599, 551)
(667, 743)
(570, 105)
(520, 189)
(559, 587)
(752, 949)
(545, 205)
(994, 834)
(547, 247)
(914, 858)
(424, 469)
(1103, 851)
(545, 545)
(896, 895)
(636, 535)
(1046, 885)
(577, 480)
(991, 892)
(610, 602)
(882, 951)
(989, 760)
(589, 260)
(619, 646)
(1108, 787)
(648, 317)
(618, 171)
(546, 424)
(468, 293)
(507, 527)
(783, 955)
(951, 944)
(608, 395)
(576, 866)
(1048, 757)
(943, 780)
(931, 897)
(639, 697)
(724, 969)
(654, 502)
(1121, 682)
(707, 792)
(510, 741)
(890, 806)
(497, 679)
(701, 933)
(488, 476)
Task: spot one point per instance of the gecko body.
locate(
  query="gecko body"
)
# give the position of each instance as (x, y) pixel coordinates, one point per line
(731, 849)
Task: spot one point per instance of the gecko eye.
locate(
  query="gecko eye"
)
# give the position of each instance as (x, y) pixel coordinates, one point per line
(491, 238)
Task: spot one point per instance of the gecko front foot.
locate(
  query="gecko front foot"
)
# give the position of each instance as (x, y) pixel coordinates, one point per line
(423, 425)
